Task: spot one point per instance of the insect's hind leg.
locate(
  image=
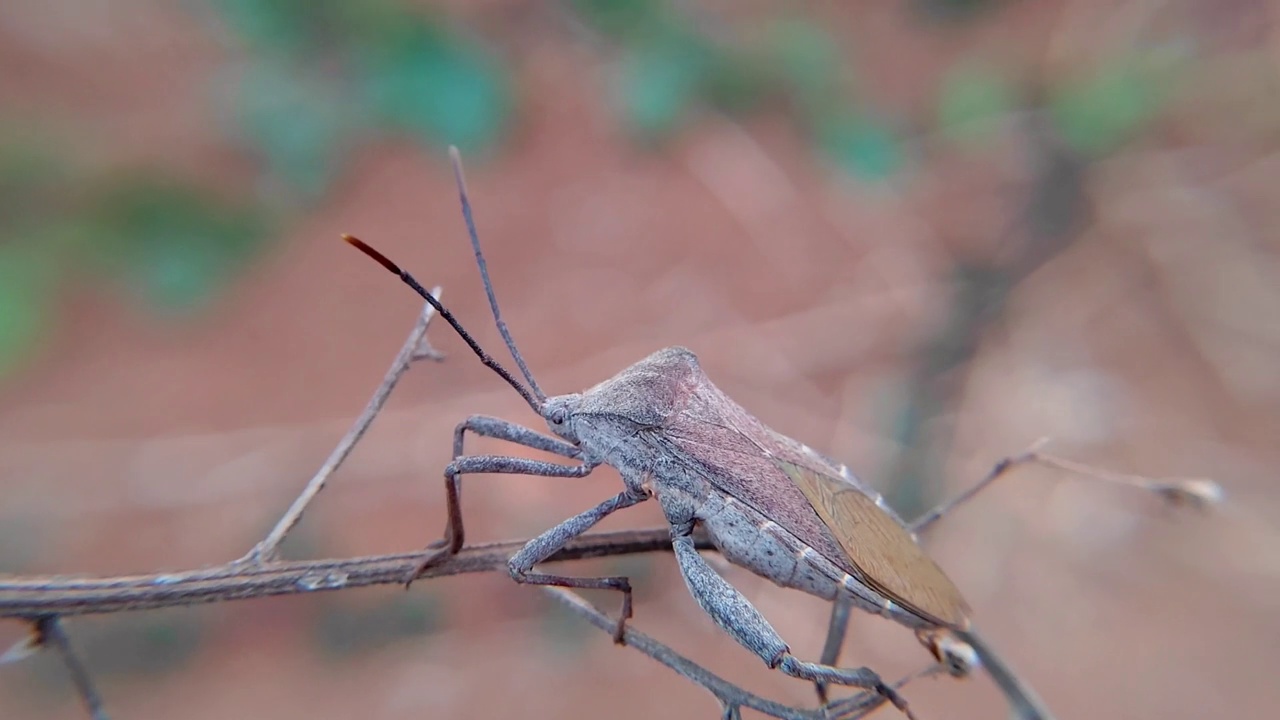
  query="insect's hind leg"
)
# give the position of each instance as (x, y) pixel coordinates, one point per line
(744, 623)
(740, 619)
(497, 428)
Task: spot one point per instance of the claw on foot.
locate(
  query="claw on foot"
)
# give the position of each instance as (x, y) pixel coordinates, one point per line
(432, 554)
(620, 630)
(898, 701)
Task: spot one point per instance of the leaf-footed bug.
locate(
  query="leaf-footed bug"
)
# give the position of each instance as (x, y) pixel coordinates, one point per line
(769, 503)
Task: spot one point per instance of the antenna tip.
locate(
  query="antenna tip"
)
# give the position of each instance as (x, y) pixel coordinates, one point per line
(381, 259)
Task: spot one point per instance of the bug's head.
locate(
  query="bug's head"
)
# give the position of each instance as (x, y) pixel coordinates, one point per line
(532, 394)
(559, 412)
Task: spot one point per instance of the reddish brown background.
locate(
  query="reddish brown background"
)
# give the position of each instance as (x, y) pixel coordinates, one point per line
(1149, 346)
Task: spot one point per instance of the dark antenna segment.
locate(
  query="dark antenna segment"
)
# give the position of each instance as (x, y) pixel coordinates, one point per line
(409, 280)
(461, 180)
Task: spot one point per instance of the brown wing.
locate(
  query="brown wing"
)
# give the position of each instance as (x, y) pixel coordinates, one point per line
(889, 559)
(803, 492)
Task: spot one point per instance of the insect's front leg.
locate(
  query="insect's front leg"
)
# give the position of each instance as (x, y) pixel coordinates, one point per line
(498, 429)
(486, 426)
(744, 623)
(454, 533)
(545, 545)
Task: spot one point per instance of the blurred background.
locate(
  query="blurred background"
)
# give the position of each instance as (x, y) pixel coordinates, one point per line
(916, 234)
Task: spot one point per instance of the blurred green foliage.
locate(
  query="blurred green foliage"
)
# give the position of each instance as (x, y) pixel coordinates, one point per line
(437, 85)
(124, 647)
(972, 99)
(26, 297)
(860, 145)
(299, 125)
(659, 81)
(129, 645)
(1096, 112)
(321, 75)
(169, 243)
(28, 260)
(344, 628)
(172, 245)
(319, 78)
(563, 632)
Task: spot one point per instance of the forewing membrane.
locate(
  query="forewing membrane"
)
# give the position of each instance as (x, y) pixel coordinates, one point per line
(883, 551)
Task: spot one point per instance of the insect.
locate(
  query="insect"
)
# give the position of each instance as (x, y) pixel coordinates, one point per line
(769, 503)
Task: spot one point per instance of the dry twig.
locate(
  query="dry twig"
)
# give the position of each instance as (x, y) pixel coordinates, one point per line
(415, 348)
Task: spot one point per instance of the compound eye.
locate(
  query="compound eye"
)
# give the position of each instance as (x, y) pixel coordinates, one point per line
(557, 416)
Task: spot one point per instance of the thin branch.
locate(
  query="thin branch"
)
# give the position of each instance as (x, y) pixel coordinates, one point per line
(52, 634)
(731, 697)
(33, 597)
(1024, 701)
(996, 472)
(415, 348)
(1199, 493)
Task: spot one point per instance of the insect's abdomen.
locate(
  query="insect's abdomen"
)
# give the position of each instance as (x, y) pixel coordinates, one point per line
(744, 538)
(747, 539)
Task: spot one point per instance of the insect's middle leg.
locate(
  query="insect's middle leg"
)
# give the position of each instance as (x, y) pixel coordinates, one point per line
(545, 545)
(454, 533)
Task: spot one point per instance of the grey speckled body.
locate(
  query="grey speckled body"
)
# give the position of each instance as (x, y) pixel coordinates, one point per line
(672, 434)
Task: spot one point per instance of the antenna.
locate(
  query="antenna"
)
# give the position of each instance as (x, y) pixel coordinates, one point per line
(409, 280)
(461, 179)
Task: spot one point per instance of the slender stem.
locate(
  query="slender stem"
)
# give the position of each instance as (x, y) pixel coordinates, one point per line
(997, 471)
(54, 635)
(1022, 698)
(413, 349)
